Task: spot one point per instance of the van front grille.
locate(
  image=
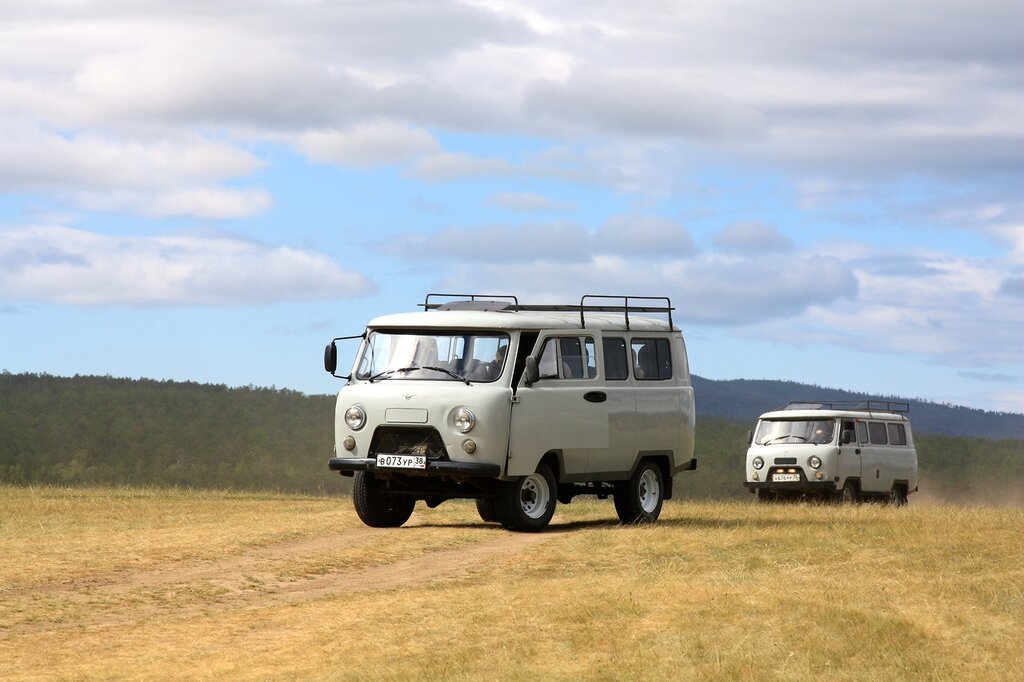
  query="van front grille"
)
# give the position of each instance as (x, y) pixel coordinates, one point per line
(408, 441)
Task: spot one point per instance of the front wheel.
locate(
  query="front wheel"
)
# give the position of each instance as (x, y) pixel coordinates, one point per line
(850, 493)
(377, 507)
(639, 499)
(485, 508)
(527, 504)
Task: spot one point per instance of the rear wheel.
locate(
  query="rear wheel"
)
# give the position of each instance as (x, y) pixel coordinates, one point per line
(897, 496)
(639, 499)
(377, 507)
(528, 503)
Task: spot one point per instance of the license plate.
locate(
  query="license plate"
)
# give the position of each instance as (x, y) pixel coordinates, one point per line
(783, 478)
(401, 461)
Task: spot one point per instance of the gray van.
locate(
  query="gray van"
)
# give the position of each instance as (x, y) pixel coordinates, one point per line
(516, 406)
(829, 449)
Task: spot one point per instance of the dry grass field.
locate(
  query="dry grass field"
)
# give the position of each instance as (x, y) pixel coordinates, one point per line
(154, 584)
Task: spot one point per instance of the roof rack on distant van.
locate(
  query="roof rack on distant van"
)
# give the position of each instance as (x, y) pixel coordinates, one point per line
(501, 303)
(851, 405)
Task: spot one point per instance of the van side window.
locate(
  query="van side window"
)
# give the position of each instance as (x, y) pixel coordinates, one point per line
(652, 360)
(615, 367)
(590, 358)
(877, 432)
(527, 340)
(897, 434)
(566, 357)
(862, 432)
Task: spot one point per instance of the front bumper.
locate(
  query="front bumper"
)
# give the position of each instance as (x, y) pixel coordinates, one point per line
(802, 486)
(349, 465)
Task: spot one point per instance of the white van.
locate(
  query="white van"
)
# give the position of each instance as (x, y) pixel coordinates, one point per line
(515, 406)
(833, 449)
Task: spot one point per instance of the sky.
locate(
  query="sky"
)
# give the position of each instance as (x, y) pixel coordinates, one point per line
(830, 193)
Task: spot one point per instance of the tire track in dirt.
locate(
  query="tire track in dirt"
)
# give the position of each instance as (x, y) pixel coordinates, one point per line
(249, 582)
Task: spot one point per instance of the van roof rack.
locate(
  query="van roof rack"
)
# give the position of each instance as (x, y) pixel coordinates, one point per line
(851, 405)
(491, 302)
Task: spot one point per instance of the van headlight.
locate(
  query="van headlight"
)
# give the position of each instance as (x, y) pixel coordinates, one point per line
(355, 417)
(758, 463)
(464, 420)
(815, 462)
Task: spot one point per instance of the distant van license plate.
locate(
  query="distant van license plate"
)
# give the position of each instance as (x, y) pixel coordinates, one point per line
(401, 461)
(783, 478)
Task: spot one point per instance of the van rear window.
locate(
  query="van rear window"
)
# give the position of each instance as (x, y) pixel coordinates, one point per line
(652, 360)
(877, 432)
(897, 434)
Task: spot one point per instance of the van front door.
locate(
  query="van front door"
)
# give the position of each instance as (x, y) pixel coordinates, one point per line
(565, 410)
(849, 457)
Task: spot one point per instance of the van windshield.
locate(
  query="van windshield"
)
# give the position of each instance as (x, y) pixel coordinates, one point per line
(818, 432)
(435, 355)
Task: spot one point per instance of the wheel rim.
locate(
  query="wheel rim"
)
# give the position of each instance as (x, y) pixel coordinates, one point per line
(650, 491)
(534, 495)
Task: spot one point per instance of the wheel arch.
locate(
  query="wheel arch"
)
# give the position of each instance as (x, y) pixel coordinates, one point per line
(664, 465)
(553, 458)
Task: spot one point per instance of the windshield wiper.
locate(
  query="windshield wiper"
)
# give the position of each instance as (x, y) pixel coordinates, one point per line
(388, 372)
(788, 435)
(448, 372)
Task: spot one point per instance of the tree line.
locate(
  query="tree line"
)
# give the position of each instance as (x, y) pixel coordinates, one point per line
(105, 430)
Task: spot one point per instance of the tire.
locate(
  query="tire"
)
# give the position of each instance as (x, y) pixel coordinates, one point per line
(528, 503)
(639, 499)
(375, 506)
(850, 494)
(897, 496)
(766, 496)
(485, 507)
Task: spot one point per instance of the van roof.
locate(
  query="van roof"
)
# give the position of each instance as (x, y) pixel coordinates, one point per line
(833, 414)
(611, 312)
(511, 320)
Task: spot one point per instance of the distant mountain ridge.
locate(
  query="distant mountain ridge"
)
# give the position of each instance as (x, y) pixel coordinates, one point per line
(745, 399)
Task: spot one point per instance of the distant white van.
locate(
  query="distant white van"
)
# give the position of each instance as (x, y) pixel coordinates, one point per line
(845, 450)
(517, 407)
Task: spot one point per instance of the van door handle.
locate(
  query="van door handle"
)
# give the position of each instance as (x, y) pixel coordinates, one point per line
(595, 396)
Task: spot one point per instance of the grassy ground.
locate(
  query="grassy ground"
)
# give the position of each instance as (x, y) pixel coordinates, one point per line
(105, 583)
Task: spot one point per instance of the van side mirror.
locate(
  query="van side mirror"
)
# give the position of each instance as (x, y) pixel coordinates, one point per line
(750, 437)
(532, 372)
(847, 437)
(331, 358)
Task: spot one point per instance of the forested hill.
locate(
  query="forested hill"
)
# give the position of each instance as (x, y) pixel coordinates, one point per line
(745, 399)
(88, 429)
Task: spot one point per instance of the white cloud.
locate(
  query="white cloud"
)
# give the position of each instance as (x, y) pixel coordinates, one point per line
(77, 267)
(455, 166)
(32, 159)
(640, 235)
(202, 202)
(650, 237)
(705, 290)
(952, 310)
(828, 92)
(641, 103)
(642, 255)
(751, 237)
(365, 146)
(527, 201)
